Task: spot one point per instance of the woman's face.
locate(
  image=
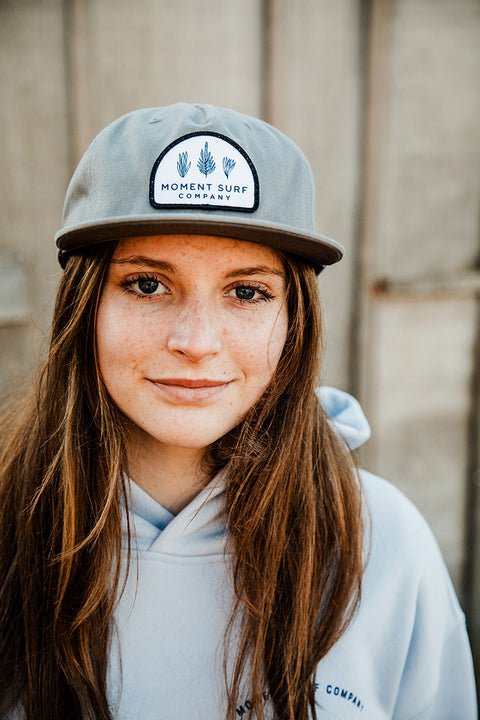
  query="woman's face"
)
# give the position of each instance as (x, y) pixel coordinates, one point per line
(189, 333)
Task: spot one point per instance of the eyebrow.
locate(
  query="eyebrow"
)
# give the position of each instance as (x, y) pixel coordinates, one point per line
(257, 270)
(142, 260)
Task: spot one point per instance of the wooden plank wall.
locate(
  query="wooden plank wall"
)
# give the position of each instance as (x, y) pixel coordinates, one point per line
(420, 282)
(382, 95)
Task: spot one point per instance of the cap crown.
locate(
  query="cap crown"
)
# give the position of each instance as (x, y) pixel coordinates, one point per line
(173, 169)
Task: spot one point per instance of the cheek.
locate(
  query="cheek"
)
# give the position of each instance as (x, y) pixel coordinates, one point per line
(258, 347)
(121, 341)
(278, 337)
(109, 347)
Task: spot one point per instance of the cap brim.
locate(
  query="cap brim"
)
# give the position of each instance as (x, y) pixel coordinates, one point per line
(318, 249)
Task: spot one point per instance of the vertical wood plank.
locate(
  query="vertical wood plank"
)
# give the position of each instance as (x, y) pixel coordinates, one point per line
(81, 72)
(421, 225)
(430, 208)
(193, 51)
(315, 99)
(422, 408)
(33, 158)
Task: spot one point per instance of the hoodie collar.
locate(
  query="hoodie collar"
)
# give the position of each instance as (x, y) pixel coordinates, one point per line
(199, 529)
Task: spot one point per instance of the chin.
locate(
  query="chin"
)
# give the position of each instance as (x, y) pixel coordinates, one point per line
(179, 440)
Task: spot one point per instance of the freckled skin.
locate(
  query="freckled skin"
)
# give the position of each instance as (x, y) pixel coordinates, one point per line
(194, 327)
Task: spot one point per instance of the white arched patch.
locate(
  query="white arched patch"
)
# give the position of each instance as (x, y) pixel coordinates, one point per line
(204, 170)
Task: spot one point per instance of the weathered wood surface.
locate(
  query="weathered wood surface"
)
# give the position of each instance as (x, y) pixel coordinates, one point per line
(314, 97)
(421, 410)
(427, 223)
(421, 228)
(34, 172)
(383, 97)
(154, 52)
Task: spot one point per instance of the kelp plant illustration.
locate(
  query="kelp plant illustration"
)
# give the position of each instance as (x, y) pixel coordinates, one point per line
(206, 163)
(183, 166)
(228, 165)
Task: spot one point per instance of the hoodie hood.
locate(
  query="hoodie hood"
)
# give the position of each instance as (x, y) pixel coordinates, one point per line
(345, 415)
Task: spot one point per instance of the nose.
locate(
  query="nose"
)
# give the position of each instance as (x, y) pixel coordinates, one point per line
(195, 332)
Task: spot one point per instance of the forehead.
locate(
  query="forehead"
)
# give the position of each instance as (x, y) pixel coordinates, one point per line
(185, 249)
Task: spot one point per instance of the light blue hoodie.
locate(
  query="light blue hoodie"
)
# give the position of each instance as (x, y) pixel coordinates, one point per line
(404, 657)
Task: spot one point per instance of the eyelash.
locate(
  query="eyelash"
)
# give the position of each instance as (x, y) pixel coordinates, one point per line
(127, 286)
(266, 294)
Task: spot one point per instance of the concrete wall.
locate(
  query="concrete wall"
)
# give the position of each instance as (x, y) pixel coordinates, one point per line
(382, 95)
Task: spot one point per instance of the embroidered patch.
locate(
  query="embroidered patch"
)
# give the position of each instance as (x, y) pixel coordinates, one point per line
(204, 170)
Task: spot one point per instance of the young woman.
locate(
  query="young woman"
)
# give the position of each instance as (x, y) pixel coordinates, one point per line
(184, 530)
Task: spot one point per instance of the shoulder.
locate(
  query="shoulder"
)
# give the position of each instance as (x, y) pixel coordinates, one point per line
(402, 551)
(391, 516)
(393, 521)
(408, 597)
(383, 498)
(406, 653)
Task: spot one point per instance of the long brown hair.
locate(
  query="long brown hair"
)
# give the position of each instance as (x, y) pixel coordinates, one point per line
(293, 508)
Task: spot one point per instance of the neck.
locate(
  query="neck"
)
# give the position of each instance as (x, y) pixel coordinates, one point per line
(172, 476)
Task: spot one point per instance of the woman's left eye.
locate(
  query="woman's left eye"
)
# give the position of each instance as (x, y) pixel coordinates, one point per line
(249, 294)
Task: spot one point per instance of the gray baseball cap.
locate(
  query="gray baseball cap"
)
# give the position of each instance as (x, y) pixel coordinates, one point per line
(194, 169)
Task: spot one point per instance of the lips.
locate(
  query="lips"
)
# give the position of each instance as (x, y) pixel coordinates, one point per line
(185, 390)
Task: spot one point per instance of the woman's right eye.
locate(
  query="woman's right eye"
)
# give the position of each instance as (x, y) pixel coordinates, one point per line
(148, 287)
(144, 286)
